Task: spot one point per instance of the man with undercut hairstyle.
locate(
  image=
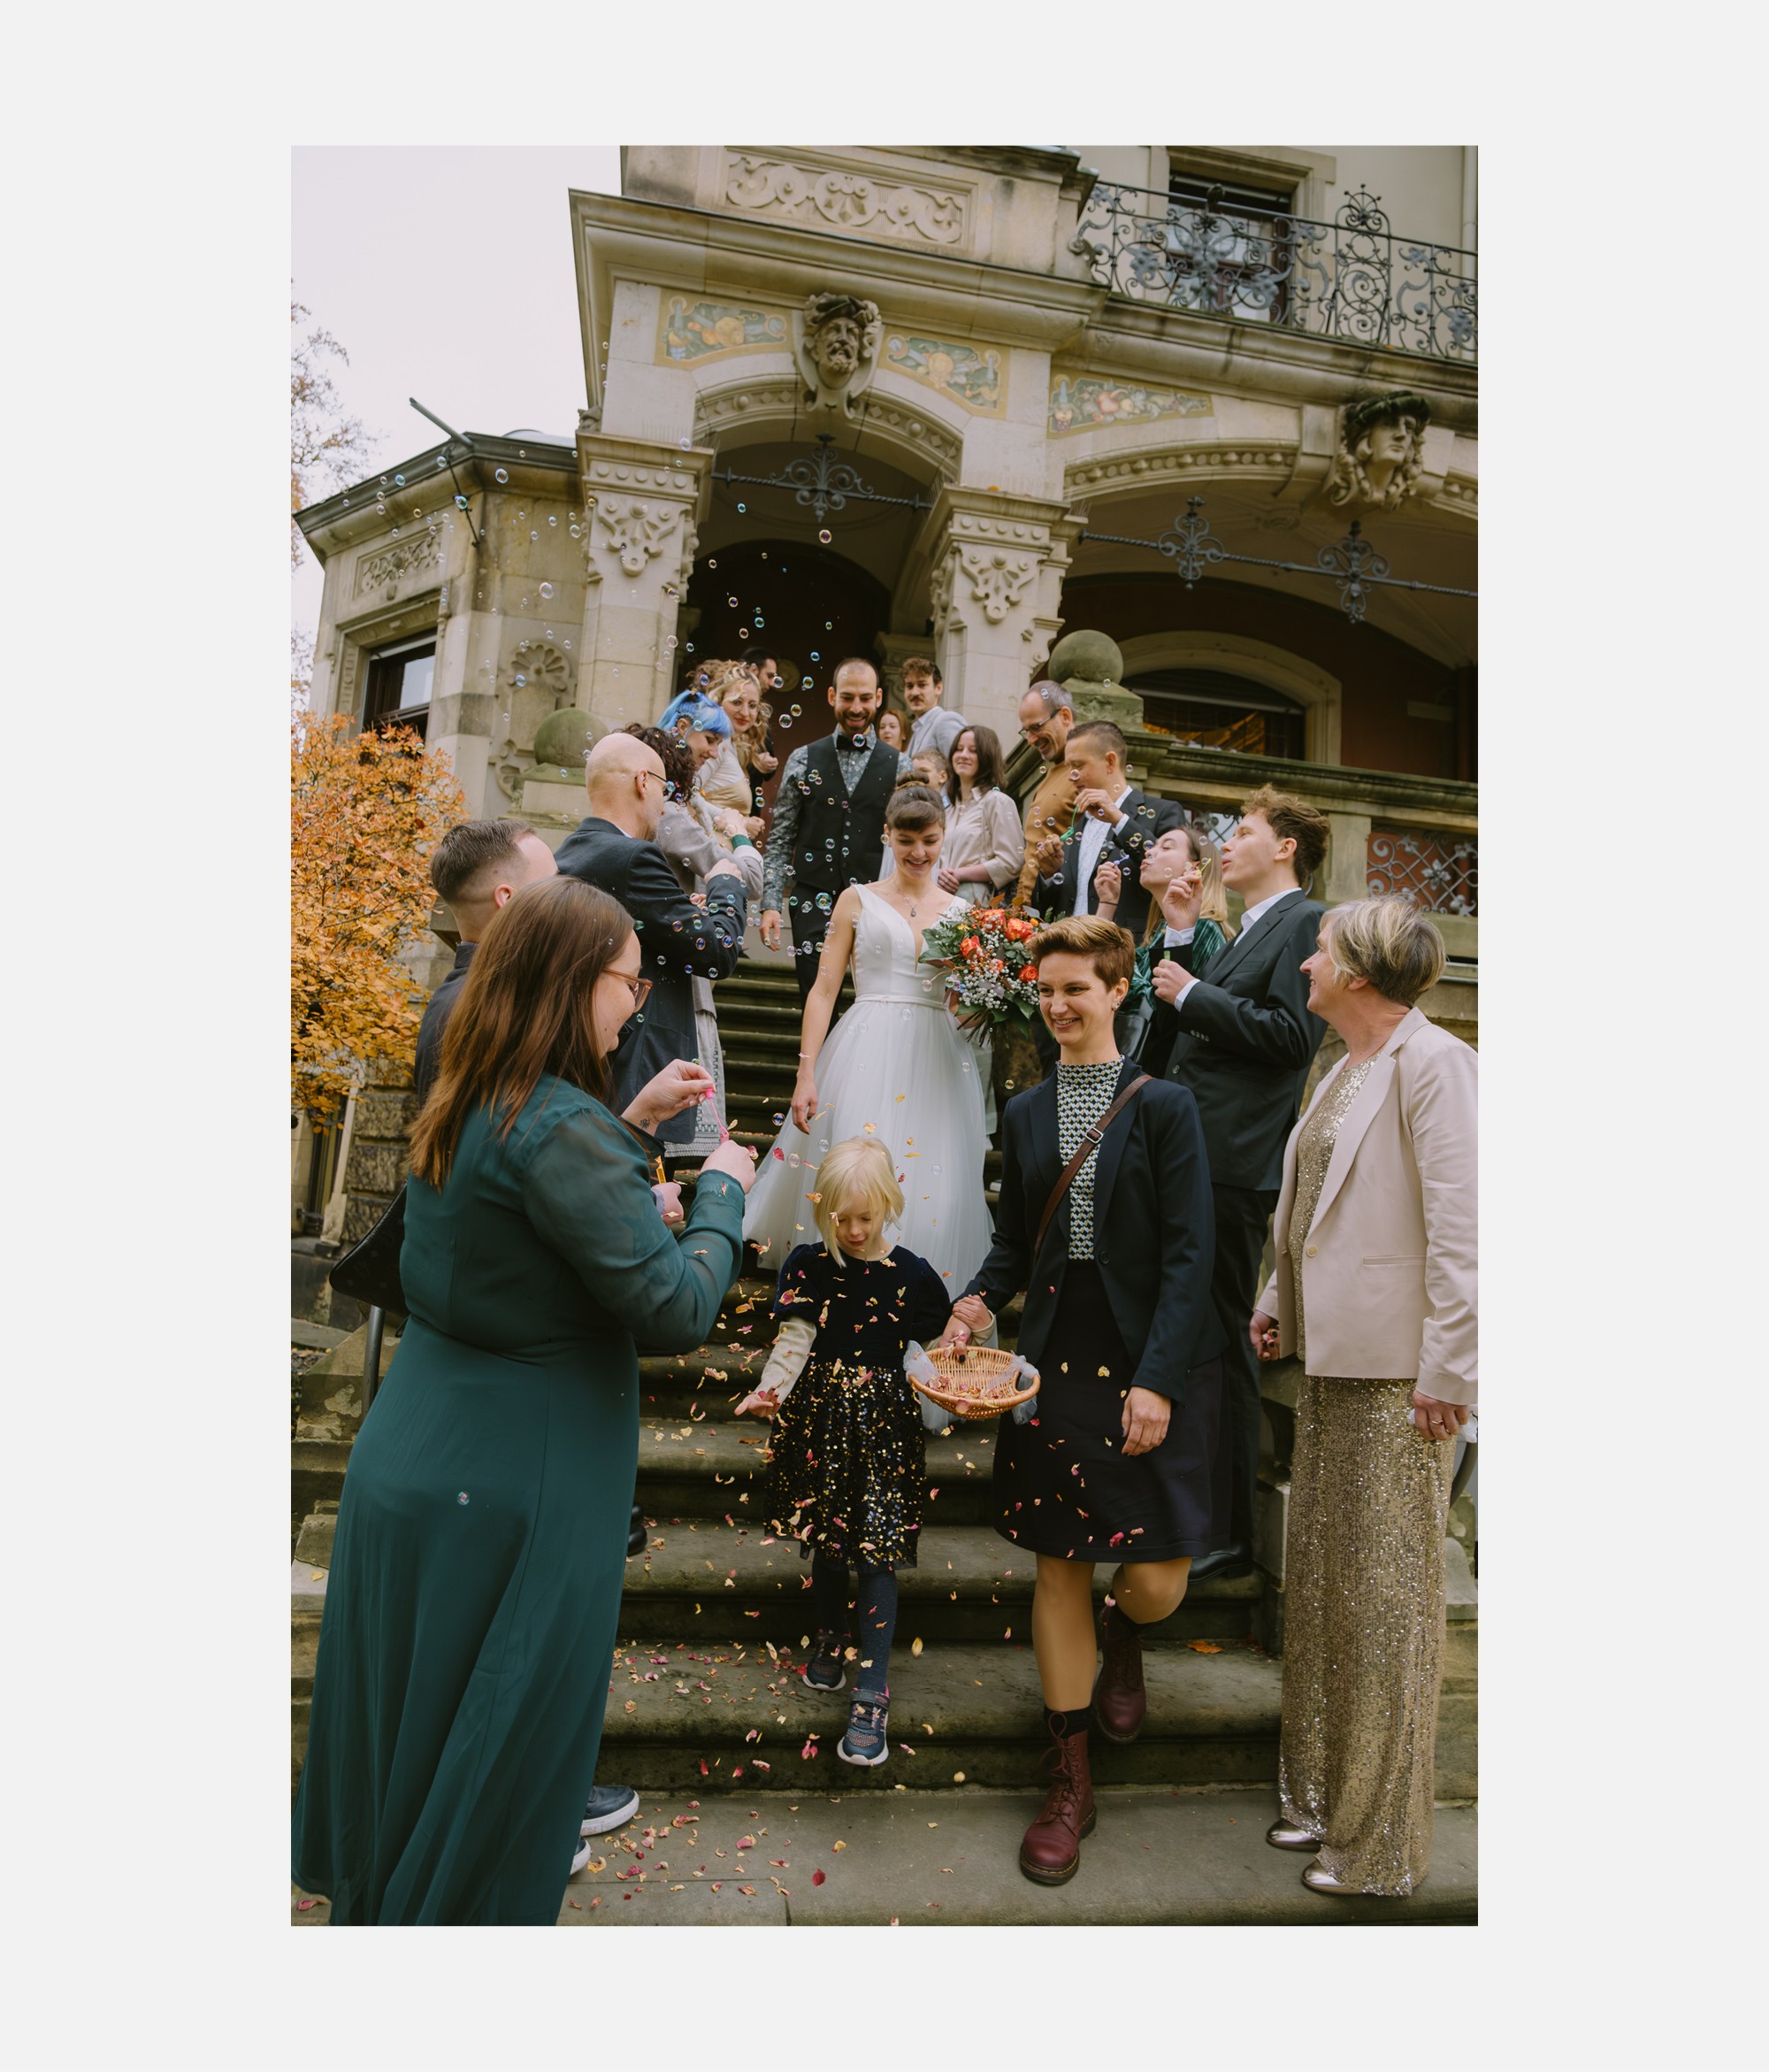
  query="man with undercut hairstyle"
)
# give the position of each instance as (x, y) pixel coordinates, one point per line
(476, 867)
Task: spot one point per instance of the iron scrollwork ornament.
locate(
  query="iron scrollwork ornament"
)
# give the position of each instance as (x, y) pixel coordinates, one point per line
(1192, 547)
(1353, 563)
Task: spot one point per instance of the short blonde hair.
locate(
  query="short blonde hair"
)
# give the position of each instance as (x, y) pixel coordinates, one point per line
(1112, 948)
(858, 1168)
(1387, 941)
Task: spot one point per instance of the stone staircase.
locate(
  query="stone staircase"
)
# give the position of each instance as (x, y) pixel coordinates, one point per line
(706, 1710)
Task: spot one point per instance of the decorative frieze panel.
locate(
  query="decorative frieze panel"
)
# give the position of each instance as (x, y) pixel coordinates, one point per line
(1150, 469)
(1081, 403)
(833, 198)
(777, 396)
(998, 577)
(703, 330)
(976, 378)
(398, 562)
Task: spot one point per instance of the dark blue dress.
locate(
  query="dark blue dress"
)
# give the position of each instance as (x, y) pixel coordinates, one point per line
(848, 1471)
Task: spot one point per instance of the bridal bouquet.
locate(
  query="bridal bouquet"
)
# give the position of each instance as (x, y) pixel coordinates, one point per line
(982, 955)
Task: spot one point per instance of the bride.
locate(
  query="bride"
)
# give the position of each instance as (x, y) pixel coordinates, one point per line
(896, 1068)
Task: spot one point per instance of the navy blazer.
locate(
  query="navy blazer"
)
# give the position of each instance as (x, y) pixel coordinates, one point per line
(1245, 1040)
(1145, 821)
(1154, 1230)
(679, 941)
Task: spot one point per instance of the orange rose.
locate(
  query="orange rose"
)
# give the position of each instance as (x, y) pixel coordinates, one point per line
(970, 946)
(1029, 972)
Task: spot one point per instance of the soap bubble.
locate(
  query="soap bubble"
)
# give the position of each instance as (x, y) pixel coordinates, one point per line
(742, 509)
(787, 721)
(461, 501)
(501, 475)
(824, 537)
(815, 656)
(732, 602)
(687, 445)
(520, 680)
(669, 643)
(743, 633)
(796, 710)
(546, 589)
(712, 564)
(399, 482)
(829, 625)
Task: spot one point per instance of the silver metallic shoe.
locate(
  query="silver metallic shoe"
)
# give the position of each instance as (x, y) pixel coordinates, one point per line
(1322, 1881)
(1281, 1835)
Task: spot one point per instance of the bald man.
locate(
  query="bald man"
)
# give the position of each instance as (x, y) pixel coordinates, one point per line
(614, 846)
(828, 819)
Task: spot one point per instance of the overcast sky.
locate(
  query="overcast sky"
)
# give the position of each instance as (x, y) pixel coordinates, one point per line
(446, 273)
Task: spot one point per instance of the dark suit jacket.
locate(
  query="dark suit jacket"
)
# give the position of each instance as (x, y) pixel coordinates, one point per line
(1245, 1042)
(1147, 818)
(679, 941)
(436, 1019)
(1153, 1230)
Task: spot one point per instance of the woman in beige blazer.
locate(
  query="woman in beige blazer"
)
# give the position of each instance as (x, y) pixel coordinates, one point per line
(1374, 1292)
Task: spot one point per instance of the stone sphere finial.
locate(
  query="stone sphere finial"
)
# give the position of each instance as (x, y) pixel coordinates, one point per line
(565, 737)
(1094, 659)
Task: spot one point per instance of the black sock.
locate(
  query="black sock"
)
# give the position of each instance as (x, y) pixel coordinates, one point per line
(1069, 1723)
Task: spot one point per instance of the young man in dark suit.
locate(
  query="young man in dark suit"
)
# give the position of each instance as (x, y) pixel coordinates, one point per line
(1243, 1041)
(614, 848)
(829, 820)
(476, 867)
(1114, 822)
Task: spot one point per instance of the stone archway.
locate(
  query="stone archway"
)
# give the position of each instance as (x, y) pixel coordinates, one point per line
(1321, 694)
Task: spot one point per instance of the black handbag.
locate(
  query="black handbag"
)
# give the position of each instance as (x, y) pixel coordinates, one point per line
(369, 1271)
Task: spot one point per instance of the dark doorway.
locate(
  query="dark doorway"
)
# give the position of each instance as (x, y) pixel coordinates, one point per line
(811, 608)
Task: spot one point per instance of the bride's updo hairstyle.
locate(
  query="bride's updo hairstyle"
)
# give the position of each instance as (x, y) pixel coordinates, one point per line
(915, 808)
(856, 1170)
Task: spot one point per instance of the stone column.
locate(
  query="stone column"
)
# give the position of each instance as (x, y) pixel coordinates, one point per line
(995, 564)
(643, 501)
(1348, 859)
(893, 650)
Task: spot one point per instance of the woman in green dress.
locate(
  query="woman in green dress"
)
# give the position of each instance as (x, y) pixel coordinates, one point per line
(1188, 912)
(470, 1613)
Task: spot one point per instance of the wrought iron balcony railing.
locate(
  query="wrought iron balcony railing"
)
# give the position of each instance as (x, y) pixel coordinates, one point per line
(1353, 278)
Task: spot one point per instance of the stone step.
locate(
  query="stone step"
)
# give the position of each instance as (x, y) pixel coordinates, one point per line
(682, 1718)
(1167, 1857)
(696, 1580)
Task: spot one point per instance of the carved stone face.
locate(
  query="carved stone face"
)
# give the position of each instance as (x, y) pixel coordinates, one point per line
(837, 350)
(1387, 447)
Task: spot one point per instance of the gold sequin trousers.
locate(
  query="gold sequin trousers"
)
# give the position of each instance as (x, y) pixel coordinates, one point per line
(1363, 1645)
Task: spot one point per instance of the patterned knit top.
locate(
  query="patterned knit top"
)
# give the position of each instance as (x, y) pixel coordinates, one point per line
(1083, 1092)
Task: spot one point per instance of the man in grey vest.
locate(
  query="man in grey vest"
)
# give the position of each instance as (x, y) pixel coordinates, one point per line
(829, 820)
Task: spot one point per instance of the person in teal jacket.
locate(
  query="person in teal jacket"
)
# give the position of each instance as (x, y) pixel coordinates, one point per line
(471, 1612)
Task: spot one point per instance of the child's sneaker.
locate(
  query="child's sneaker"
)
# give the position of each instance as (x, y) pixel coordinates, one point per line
(865, 1741)
(827, 1669)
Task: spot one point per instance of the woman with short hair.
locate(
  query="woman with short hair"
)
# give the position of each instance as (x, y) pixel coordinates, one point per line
(481, 1541)
(1374, 1292)
(1127, 1459)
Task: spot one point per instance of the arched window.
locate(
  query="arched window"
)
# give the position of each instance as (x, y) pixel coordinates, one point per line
(1218, 711)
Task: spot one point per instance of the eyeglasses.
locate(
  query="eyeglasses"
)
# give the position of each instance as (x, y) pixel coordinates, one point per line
(654, 777)
(640, 988)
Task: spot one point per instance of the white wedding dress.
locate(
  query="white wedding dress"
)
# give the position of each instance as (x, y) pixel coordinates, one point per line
(895, 1068)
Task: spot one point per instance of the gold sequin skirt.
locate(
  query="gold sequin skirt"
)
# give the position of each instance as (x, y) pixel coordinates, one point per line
(1363, 1647)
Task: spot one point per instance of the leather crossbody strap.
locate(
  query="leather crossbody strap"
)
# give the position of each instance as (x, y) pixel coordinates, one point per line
(1091, 1142)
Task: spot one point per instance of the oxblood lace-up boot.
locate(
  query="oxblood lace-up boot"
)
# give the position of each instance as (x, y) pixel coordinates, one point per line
(1119, 1697)
(1050, 1852)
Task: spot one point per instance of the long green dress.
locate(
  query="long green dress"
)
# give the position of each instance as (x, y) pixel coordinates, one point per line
(470, 1615)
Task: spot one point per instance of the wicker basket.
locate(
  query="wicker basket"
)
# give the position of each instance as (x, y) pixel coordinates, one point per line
(975, 1384)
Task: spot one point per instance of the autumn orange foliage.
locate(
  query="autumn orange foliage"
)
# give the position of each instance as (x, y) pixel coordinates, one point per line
(367, 809)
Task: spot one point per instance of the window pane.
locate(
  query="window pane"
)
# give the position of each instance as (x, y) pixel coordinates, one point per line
(414, 683)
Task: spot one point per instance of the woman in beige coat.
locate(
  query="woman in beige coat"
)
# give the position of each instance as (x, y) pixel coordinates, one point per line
(1374, 1292)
